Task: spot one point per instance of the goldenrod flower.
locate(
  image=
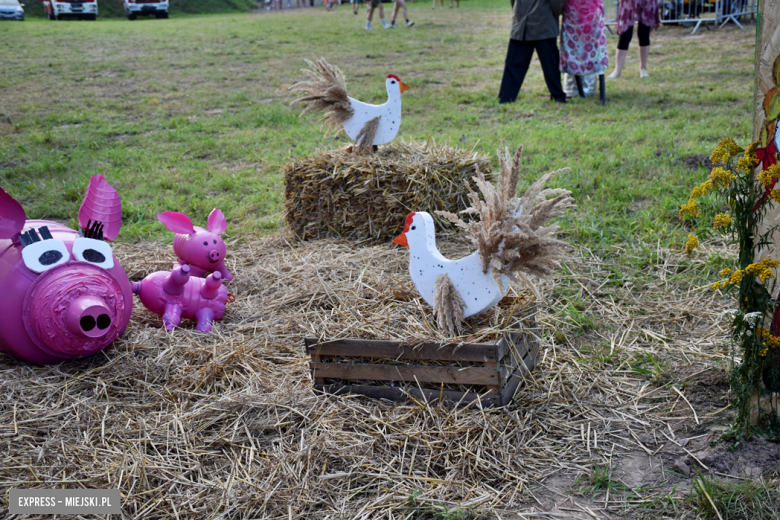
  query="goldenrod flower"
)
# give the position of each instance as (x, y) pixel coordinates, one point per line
(763, 352)
(720, 176)
(775, 193)
(697, 192)
(690, 208)
(750, 152)
(725, 272)
(745, 164)
(736, 277)
(691, 244)
(768, 176)
(722, 220)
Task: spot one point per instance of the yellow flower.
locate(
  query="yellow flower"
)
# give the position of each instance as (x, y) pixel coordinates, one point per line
(691, 244)
(775, 195)
(726, 149)
(763, 352)
(725, 272)
(720, 176)
(690, 208)
(732, 146)
(706, 185)
(697, 192)
(750, 152)
(722, 220)
(769, 175)
(736, 277)
(745, 164)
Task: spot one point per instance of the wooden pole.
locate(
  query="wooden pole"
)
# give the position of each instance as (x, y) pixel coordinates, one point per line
(765, 98)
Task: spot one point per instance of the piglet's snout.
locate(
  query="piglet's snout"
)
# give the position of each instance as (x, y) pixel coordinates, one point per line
(89, 315)
(213, 255)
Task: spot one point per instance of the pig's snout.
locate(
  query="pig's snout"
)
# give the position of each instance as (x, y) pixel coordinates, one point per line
(214, 255)
(89, 315)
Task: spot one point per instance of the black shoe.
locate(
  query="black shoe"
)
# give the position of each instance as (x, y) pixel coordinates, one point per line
(561, 100)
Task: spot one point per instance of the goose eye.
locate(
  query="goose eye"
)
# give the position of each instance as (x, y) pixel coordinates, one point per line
(95, 252)
(414, 227)
(44, 255)
(393, 82)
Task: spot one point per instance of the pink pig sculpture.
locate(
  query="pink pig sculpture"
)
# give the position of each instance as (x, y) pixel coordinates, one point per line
(176, 295)
(63, 294)
(203, 250)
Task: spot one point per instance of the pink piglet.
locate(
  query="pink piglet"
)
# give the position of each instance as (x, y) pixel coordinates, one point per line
(203, 250)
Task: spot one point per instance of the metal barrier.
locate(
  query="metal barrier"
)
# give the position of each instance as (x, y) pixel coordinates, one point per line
(694, 13)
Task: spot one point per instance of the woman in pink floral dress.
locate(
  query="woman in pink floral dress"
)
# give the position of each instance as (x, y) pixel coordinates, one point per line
(583, 42)
(645, 13)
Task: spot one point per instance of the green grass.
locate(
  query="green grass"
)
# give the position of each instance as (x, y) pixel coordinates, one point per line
(193, 112)
(746, 500)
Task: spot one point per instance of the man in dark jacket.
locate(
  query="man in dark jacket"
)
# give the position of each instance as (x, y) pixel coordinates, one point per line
(534, 26)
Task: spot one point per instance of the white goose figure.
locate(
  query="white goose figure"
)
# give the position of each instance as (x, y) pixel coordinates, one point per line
(389, 113)
(478, 290)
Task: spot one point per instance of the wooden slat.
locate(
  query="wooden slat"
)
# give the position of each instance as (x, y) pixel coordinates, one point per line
(419, 373)
(515, 378)
(474, 352)
(397, 394)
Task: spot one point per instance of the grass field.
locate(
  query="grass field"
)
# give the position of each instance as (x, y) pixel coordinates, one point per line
(193, 113)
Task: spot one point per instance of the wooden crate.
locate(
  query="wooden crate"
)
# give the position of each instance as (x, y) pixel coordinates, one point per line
(491, 371)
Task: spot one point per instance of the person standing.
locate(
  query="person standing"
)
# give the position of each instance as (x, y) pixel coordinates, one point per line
(534, 27)
(583, 44)
(399, 4)
(645, 14)
(371, 5)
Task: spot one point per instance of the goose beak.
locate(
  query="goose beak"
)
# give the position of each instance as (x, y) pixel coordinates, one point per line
(404, 86)
(401, 240)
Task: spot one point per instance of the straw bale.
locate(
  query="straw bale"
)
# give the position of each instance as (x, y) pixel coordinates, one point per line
(226, 425)
(366, 196)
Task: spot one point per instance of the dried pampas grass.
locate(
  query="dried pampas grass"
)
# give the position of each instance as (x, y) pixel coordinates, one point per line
(448, 305)
(326, 91)
(512, 234)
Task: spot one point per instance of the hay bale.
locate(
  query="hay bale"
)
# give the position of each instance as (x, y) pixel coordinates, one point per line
(366, 197)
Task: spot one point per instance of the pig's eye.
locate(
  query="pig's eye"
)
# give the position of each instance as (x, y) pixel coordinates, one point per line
(42, 255)
(95, 252)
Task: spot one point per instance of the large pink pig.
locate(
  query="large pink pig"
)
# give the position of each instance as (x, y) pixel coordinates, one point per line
(63, 293)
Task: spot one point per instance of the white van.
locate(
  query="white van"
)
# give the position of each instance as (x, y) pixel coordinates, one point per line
(83, 9)
(135, 8)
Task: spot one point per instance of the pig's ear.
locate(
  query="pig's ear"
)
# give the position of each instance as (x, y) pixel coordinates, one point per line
(217, 222)
(12, 216)
(101, 204)
(176, 222)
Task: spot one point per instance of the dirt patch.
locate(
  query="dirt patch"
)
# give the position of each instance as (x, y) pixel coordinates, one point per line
(696, 161)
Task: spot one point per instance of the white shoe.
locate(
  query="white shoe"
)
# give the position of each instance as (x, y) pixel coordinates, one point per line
(409, 23)
(368, 27)
(643, 73)
(615, 74)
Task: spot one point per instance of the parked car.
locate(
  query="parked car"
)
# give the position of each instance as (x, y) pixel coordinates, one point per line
(11, 10)
(135, 8)
(82, 9)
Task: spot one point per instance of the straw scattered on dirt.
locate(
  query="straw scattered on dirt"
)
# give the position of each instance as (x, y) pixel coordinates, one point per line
(366, 196)
(226, 424)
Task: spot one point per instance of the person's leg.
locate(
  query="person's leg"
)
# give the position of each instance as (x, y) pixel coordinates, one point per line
(396, 7)
(643, 32)
(382, 16)
(370, 8)
(622, 50)
(518, 58)
(550, 59)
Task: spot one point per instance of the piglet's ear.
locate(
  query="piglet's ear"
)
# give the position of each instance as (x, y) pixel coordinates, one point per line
(176, 222)
(217, 222)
